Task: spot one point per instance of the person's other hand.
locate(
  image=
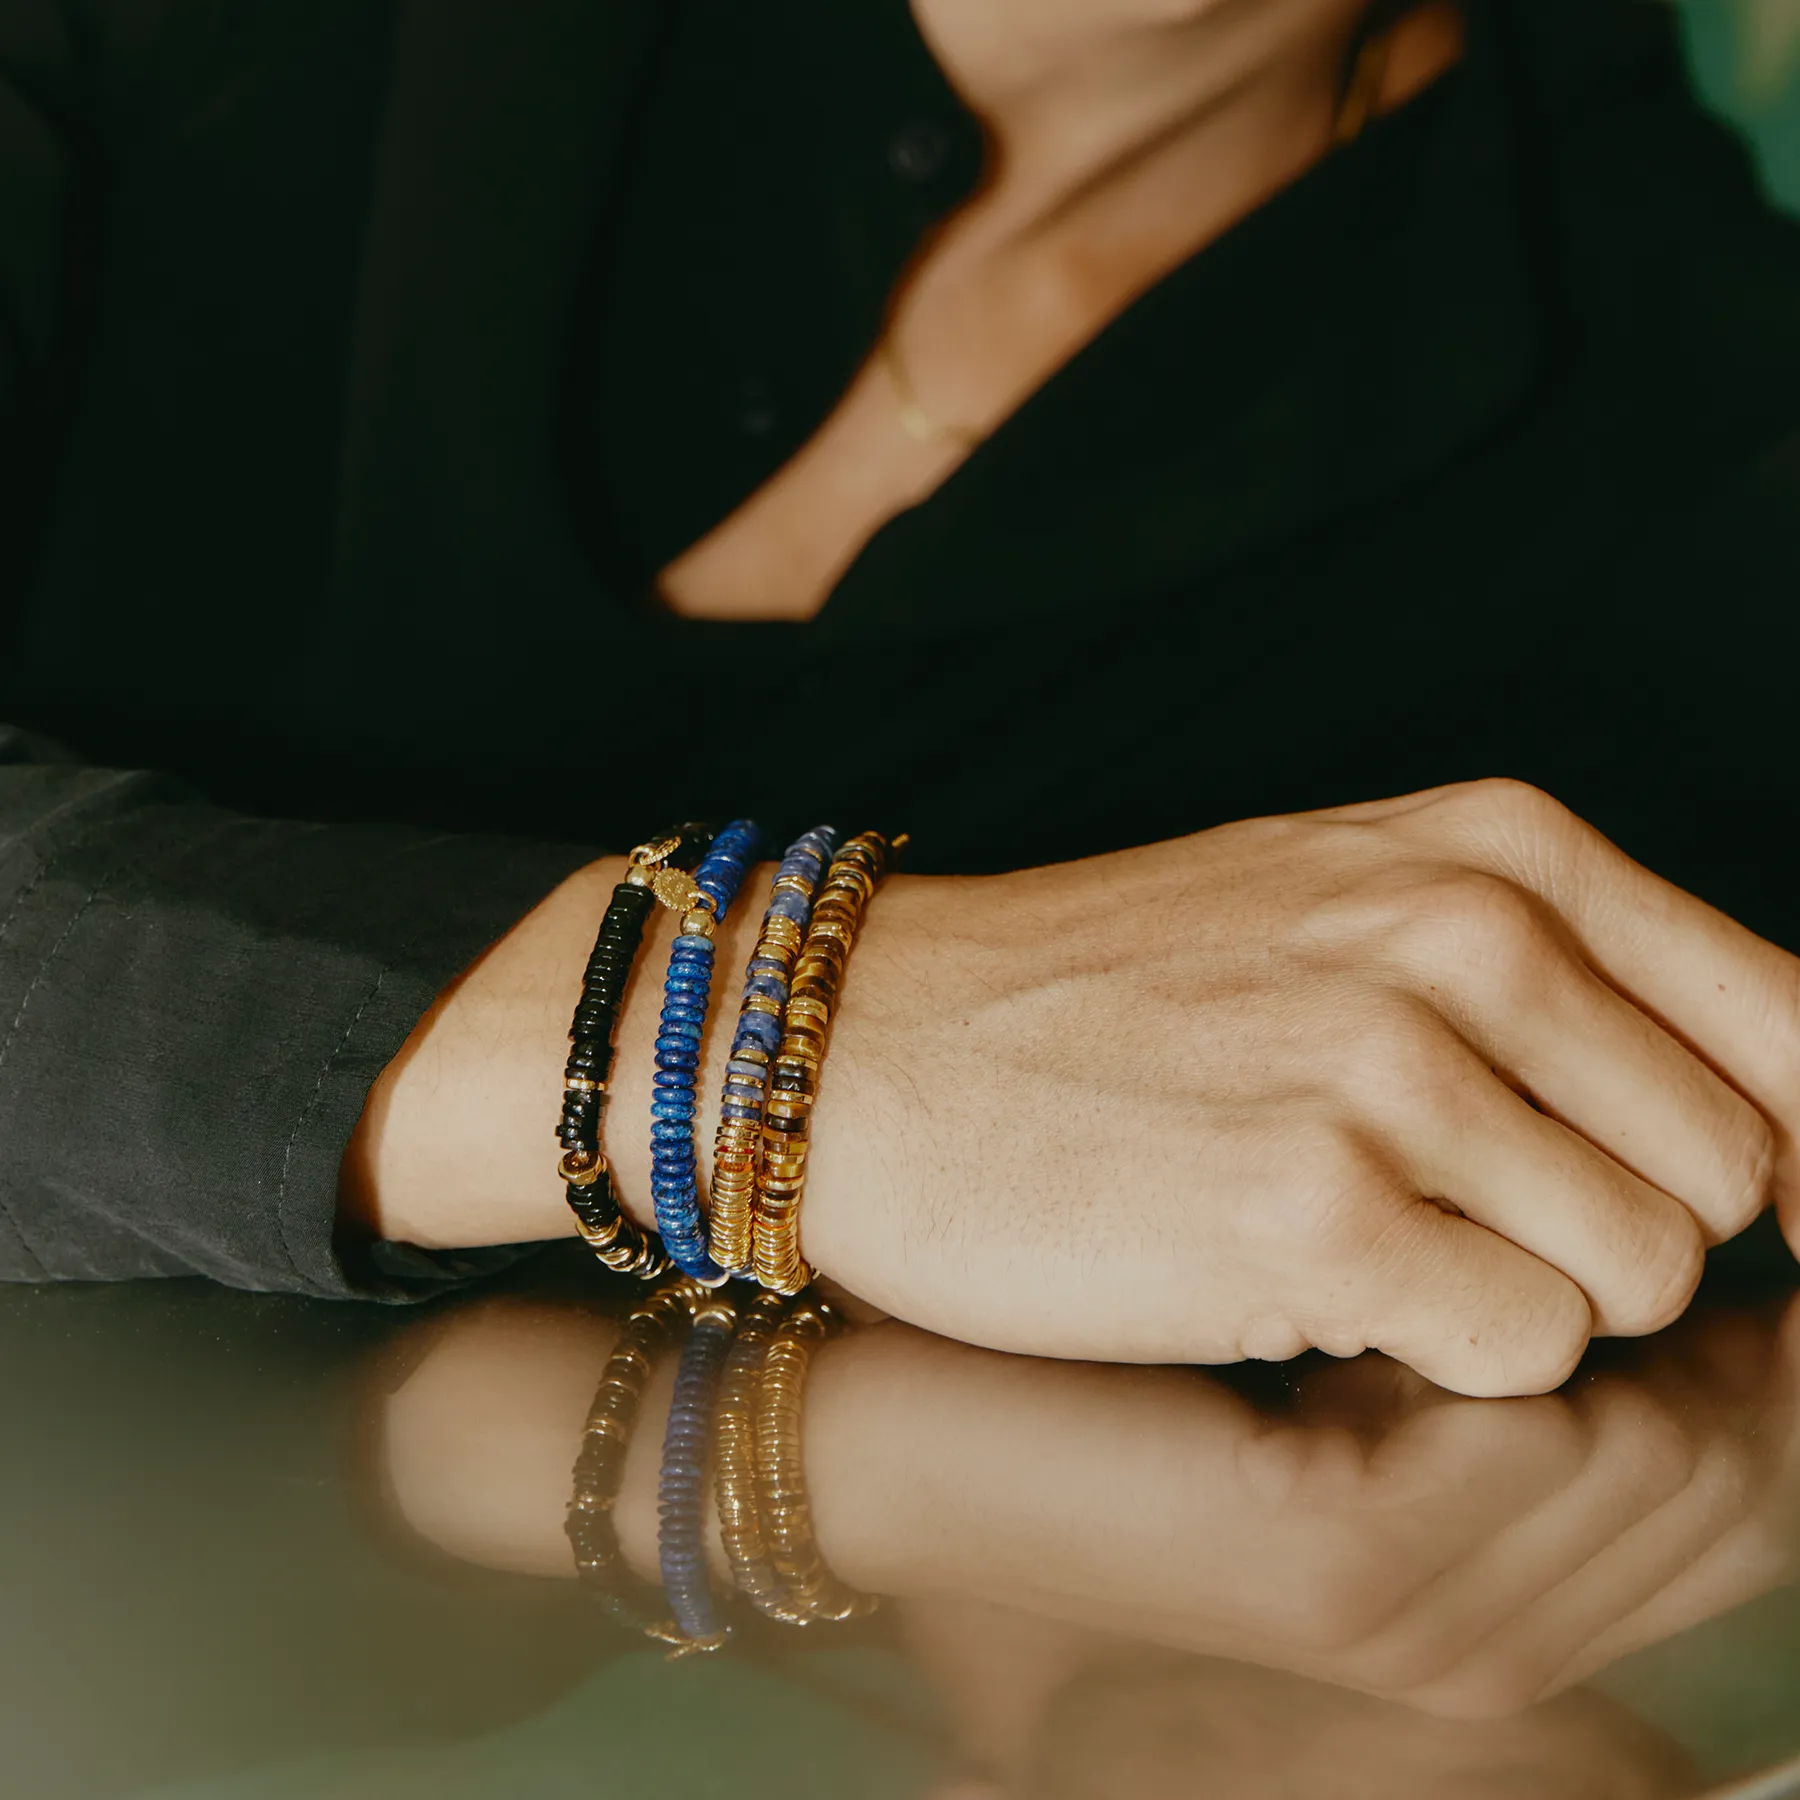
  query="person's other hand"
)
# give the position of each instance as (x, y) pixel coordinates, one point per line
(1449, 1076)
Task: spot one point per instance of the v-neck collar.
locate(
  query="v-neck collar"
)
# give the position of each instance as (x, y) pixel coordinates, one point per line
(1345, 340)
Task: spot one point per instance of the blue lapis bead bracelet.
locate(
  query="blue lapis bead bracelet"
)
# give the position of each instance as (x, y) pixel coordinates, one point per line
(674, 1170)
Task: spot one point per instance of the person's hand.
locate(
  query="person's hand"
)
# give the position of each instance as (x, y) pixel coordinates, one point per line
(1449, 1076)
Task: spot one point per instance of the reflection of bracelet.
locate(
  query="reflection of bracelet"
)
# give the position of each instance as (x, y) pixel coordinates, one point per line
(605, 1440)
(681, 1489)
(752, 1568)
(856, 871)
(812, 1591)
(612, 1237)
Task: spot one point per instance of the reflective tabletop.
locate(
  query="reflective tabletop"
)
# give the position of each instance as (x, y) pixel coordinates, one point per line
(263, 1549)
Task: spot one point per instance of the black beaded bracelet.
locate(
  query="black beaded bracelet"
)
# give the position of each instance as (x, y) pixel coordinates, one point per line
(616, 1240)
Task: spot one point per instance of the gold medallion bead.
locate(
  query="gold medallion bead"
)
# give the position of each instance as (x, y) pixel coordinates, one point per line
(813, 1592)
(850, 883)
(606, 1437)
(734, 1478)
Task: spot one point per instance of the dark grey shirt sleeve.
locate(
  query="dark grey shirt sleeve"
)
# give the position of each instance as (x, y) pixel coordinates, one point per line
(193, 1005)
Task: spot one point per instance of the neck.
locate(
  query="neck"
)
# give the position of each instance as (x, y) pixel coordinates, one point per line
(1080, 96)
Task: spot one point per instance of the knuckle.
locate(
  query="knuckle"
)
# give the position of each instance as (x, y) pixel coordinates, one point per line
(1663, 1284)
(1401, 1668)
(1504, 801)
(1778, 1018)
(1747, 1186)
(1393, 1063)
(1338, 1202)
(1539, 1352)
(1487, 933)
(1340, 1607)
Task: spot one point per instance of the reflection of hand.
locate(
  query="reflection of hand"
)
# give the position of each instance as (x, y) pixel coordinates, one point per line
(1202, 1101)
(1463, 1555)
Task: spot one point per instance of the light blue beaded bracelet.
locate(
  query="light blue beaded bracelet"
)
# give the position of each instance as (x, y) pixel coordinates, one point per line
(674, 1177)
(757, 1039)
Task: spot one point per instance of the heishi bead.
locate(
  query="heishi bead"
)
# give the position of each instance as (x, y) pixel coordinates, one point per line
(755, 1043)
(674, 1182)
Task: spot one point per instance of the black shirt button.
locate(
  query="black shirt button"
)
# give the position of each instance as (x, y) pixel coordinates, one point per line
(919, 149)
(757, 413)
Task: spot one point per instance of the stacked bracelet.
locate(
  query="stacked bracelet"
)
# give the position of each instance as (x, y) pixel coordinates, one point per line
(855, 873)
(736, 1416)
(674, 1183)
(756, 1045)
(613, 1238)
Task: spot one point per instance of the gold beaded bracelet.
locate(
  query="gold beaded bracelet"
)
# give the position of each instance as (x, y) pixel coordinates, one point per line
(734, 1427)
(812, 1592)
(855, 873)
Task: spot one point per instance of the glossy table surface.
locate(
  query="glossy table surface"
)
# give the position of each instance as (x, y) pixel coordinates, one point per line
(260, 1549)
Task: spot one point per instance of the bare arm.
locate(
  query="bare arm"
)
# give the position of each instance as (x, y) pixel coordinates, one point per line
(1447, 1076)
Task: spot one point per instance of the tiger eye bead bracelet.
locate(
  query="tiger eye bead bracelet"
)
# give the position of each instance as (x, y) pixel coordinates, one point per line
(756, 1044)
(855, 873)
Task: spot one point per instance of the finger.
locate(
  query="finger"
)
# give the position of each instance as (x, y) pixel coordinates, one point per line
(1750, 1560)
(1459, 1303)
(1595, 1063)
(1730, 995)
(1636, 1254)
(1520, 1661)
(1331, 1557)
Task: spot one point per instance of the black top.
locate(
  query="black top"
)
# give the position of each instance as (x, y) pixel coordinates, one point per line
(325, 340)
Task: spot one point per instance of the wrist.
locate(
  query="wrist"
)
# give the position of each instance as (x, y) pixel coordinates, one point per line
(456, 1146)
(877, 1129)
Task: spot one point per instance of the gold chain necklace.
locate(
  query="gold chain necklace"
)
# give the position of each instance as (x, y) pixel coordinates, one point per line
(1355, 110)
